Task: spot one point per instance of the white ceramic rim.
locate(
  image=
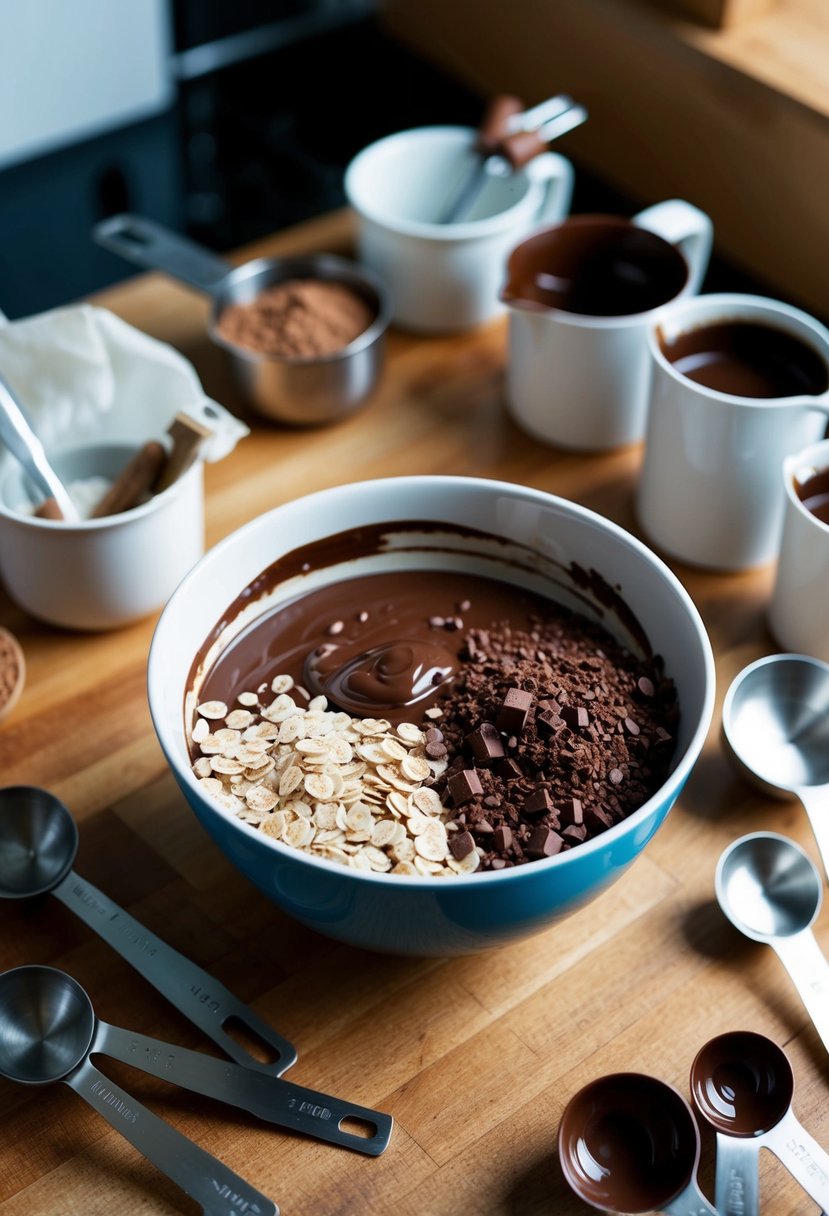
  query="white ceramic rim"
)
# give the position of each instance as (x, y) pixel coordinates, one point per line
(582, 320)
(739, 306)
(107, 522)
(675, 780)
(469, 231)
(815, 456)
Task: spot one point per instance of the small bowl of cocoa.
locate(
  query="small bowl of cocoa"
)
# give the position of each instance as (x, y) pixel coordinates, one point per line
(444, 725)
(304, 335)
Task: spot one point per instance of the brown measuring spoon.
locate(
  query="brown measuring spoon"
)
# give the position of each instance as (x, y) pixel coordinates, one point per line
(630, 1143)
(742, 1084)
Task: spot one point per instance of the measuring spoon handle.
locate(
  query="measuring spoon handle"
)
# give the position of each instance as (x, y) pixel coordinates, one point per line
(270, 1098)
(216, 1188)
(737, 1189)
(691, 1202)
(194, 992)
(809, 972)
(802, 1156)
(815, 801)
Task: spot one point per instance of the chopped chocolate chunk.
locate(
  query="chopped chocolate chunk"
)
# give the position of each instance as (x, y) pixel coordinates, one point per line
(544, 842)
(502, 840)
(548, 722)
(575, 833)
(461, 844)
(485, 743)
(571, 811)
(512, 714)
(575, 716)
(507, 769)
(538, 803)
(464, 785)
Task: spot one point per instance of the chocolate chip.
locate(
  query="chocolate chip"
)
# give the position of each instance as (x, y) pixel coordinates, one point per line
(544, 842)
(437, 622)
(435, 751)
(484, 827)
(485, 743)
(513, 712)
(335, 627)
(616, 776)
(464, 605)
(645, 686)
(464, 785)
(631, 727)
(461, 844)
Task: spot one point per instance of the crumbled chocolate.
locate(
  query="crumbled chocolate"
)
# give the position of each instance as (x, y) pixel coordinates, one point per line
(564, 731)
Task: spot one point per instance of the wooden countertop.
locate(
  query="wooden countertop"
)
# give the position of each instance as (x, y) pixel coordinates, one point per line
(475, 1057)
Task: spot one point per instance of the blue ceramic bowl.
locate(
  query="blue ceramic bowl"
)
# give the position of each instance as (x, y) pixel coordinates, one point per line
(436, 916)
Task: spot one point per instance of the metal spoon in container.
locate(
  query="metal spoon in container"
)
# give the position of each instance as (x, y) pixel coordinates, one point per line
(776, 725)
(270, 1098)
(742, 1084)
(771, 891)
(630, 1143)
(47, 1032)
(19, 437)
(38, 844)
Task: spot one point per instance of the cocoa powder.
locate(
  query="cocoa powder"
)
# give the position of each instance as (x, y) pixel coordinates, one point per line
(297, 319)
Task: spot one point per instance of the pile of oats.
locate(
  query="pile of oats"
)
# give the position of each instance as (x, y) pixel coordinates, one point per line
(351, 790)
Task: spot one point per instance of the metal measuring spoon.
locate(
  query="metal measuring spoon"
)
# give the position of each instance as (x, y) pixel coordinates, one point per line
(771, 891)
(630, 1143)
(776, 725)
(38, 844)
(742, 1084)
(47, 1031)
(270, 1098)
(19, 437)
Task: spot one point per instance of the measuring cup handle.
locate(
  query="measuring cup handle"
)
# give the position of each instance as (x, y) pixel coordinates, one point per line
(685, 226)
(270, 1098)
(737, 1183)
(154, 247)
(802, 1156)
(816, 804)
(193, 991)
(216, 1188)
(557, 174)
(691, 1202)
(809, 972)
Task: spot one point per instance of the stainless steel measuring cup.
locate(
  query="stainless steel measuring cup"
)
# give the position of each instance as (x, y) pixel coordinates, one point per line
(771, 891)
(47, 1033)
(270, 1098)
(38, 844)
(300, 391)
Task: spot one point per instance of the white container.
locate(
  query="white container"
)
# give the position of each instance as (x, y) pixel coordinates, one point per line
(799, 610)
(445, 277)
(580, 381)
(710, 491)
(100, 573)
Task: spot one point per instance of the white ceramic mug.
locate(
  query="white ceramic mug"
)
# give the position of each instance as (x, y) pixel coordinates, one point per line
(710, 491)
(578, 379)
(444, 277)
(799, 609)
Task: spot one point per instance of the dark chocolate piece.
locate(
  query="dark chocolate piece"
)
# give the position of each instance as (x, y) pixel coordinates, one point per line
(461, 844)
(513, 712)
(544, 842)
(485, 743)
(538, 803)
(464, 786)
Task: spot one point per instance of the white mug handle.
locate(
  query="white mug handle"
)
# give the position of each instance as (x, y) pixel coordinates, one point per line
(557, 174)
(686, 227)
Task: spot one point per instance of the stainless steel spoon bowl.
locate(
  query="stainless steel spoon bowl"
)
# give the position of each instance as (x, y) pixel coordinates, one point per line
(776, 726)
(47, 1031)
(38, 843)
(772, 892)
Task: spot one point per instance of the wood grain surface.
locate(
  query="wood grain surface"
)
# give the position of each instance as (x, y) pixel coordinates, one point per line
(475, 1057)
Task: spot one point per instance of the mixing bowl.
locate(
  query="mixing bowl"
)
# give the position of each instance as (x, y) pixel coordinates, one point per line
(537, 541)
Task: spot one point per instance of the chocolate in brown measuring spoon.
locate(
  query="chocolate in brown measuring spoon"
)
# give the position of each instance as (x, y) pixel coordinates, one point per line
(629, 1143)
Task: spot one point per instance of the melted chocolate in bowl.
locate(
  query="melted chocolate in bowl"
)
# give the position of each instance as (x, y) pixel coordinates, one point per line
(537, 729)
(814, 494)
(628, 1143)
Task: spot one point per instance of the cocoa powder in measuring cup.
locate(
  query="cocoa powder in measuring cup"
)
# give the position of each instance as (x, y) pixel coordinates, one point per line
(299, 318)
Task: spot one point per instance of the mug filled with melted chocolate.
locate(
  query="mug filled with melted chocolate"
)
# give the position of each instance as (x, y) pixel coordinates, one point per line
(430, 722)
(738, 383)
(797, 611)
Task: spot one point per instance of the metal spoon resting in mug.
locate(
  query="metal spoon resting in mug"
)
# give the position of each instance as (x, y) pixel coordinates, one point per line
(47, 1033)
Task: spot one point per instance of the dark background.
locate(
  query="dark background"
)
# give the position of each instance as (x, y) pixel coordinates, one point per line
(254, 143)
